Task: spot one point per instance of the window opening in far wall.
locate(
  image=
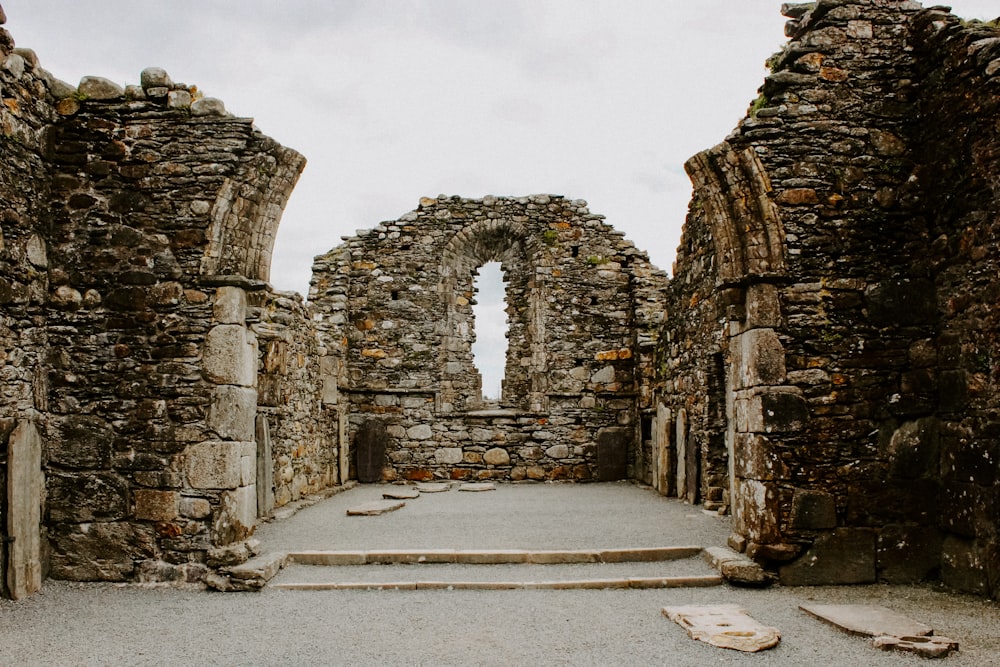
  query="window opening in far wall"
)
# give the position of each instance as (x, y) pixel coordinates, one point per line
(489, 351)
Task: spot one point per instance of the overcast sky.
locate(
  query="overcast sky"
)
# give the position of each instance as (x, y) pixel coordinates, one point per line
(392, 100)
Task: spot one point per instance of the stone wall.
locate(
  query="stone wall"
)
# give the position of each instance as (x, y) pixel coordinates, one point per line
(582, 304)
(958, 158)
(836, 257)
(297, 432)
(137, 222)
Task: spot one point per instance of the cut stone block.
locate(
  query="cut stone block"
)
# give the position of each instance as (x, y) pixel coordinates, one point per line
(478, 486)
(433, 487)
(375, 508)
(725, 626)
(736, 568)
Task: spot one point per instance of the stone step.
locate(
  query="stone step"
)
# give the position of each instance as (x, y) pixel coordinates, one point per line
(492, 556)
(588, 584)
(410, 573)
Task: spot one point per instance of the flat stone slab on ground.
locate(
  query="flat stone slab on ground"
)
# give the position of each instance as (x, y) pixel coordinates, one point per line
(401, 494)
(375, 507)
(889, 630)
(478, 486)
(867, 620)
(725, 626)
(433, 487)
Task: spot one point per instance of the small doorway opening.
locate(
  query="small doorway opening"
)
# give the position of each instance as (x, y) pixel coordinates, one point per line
(489, 312)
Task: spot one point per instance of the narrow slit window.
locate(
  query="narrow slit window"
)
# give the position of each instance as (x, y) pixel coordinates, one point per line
(489, 351)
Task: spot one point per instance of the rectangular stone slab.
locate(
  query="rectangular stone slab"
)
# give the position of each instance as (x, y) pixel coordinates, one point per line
(433, 487)
(725, 626)
(478, 486)
(867, 620)
(375, 507)
(401, 494)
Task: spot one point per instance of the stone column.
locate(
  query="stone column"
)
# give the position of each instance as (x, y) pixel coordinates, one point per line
(24, 499)
(229, 463)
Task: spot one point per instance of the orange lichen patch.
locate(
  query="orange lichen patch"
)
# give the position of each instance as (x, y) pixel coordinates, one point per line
(833, 74)
(11, 104)
(427, 201)
(364, 325)
(612, 355)
(556, 273)
(562, 224)
(839, 378)
(363, 265)
(373, 353)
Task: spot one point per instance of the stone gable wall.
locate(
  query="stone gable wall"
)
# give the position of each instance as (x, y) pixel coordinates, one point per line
(834, 255)
(582, 302)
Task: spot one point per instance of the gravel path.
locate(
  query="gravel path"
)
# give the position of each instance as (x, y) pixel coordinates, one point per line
(98, 624)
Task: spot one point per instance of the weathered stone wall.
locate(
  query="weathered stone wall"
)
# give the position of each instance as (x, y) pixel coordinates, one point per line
(582, 305)
(297, 432)
(958, 158)
(136, 224)
(24, 117)
(823, 256)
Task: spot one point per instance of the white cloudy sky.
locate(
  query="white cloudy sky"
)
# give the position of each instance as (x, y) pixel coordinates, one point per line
(391, 100)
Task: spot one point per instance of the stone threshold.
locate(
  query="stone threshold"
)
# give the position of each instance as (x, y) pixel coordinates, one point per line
(577, 584)
(491, 556)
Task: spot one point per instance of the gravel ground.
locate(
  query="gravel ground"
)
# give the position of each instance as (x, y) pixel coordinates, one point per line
(74, 624)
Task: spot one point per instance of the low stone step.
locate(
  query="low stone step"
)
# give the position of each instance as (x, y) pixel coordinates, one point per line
(492, 556)
(588, 584)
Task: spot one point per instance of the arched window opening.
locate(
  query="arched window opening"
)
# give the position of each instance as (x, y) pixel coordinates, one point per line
(489, 351)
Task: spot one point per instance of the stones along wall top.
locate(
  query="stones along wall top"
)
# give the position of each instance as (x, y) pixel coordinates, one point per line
(582, 305)
(834, 255)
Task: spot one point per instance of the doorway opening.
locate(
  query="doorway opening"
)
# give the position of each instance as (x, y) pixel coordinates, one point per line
(489, 313)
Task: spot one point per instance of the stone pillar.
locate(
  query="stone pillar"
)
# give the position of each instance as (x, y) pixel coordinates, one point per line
(680, 438)
(229, 462)
(24, 498)
(663, 473)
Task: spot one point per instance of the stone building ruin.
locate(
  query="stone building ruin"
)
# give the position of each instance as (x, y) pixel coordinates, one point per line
(823, 362)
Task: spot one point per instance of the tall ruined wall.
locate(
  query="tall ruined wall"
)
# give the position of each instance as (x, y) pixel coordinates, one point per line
(24, 117)
(812, 260)
(137, 226)
(958, 156)
(396, 305)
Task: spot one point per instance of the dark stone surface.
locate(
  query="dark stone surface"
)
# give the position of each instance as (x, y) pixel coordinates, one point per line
(844, 556)
(370, 445)
(813, 510)
(612, 454)
(909, 554)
